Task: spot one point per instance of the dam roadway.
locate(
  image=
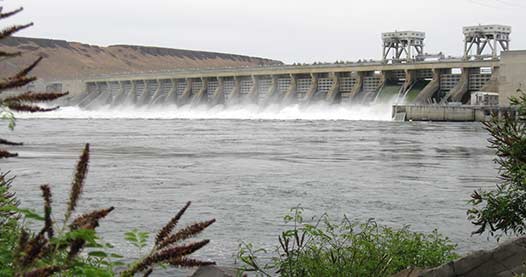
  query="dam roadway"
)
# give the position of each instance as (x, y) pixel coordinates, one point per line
(424, 82)
(295, 69)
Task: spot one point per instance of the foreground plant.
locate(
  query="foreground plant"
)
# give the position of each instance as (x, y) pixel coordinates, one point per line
(503, 210)
(346, 249)
(169, 247)
(58, 248)
(25, 102)
(53, 249)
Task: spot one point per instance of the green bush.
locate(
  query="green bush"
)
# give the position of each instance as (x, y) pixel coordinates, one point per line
(503, 210)
(346, 249)
(8, 238)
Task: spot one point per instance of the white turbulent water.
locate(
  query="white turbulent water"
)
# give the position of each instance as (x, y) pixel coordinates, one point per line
(378, 112)
(247, 168)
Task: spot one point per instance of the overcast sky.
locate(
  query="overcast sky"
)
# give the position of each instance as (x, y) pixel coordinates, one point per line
(287, 30)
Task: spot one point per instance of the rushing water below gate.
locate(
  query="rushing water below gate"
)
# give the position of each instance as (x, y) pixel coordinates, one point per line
(248, 173)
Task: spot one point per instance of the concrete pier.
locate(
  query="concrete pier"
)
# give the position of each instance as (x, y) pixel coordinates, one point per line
(447, 112)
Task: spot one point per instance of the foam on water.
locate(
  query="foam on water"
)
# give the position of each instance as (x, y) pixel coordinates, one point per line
(373, 112)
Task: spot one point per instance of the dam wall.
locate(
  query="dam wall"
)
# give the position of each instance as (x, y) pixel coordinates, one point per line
(420, 83)
(358, 83)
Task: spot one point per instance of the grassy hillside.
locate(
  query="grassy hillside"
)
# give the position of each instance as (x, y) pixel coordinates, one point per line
(65, 60)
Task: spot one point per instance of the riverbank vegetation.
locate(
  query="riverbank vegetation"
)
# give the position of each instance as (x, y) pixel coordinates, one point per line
(326, 248)
(502, 211)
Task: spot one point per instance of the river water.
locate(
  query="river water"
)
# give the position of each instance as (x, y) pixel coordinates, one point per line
(247, 169)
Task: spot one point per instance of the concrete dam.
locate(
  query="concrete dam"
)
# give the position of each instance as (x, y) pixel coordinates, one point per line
(348, 83)
(409, 76)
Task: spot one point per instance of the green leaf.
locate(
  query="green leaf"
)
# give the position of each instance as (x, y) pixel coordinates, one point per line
(118, 264)
(137, 238)
(26, 212)
(130, 238)
(6, 114)
(99, 254)
(113, 255)
(94, 245)
(143, 235)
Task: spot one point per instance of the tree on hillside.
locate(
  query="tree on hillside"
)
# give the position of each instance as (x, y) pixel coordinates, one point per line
(24, 102)
(503, 210)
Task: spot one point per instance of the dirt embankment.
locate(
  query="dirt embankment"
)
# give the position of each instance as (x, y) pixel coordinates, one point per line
(72, 60)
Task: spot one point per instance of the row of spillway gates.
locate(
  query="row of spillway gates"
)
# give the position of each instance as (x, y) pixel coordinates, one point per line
(358, 87)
